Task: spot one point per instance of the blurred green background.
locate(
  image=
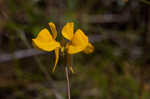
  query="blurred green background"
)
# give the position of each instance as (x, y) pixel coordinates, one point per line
(119, 68)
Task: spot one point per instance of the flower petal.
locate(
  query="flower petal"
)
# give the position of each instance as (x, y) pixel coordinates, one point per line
(57, 58)
(89, 49)
(78, 43)
(67, 30)
(45, 46)
(44, 41)
(53, 29)
(74, 49)
(44, 36)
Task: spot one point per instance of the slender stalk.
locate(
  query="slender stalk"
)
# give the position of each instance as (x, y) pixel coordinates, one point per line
(68, 82)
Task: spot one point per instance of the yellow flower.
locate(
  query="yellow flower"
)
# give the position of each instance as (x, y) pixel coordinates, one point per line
(46, 42)
(78, 40)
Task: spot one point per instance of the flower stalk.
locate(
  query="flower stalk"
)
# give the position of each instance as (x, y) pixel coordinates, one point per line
(68, 82)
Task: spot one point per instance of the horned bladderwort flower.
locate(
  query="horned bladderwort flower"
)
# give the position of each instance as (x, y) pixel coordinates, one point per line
(78, 42)
(46, 42)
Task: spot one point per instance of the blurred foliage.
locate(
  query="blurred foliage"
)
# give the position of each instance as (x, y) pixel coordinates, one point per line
(118, 68)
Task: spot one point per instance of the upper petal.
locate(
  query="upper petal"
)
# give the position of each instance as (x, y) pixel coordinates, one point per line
(67, 30)
(44, 41)
(53, 29)
(80, 38)
(44, 36)
(78, 43)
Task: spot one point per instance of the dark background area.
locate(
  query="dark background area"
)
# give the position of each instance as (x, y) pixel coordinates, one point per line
(119, 68)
